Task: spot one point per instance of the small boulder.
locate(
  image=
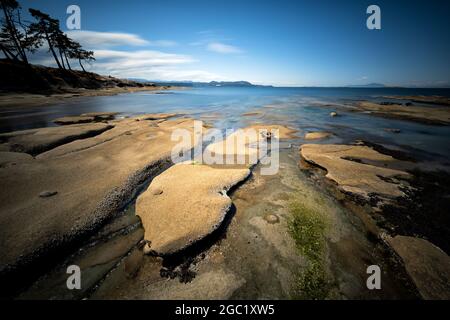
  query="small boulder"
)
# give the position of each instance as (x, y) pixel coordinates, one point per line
(333, 114)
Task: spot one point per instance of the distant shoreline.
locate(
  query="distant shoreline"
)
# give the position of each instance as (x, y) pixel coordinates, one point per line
(16, 99)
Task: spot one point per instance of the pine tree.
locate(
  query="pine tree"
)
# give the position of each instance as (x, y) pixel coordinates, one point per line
(15, 37)
(77, 52)
(46, 28)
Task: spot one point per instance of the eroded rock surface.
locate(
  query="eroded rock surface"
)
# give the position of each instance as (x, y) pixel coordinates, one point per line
(193, 203)
(357, 169)
(427, 265)
(94, 178)
(73, 120)
(317, 135)
(243, 145)
(86, 118)
(440, 100)
(431, 115)
(284, 132)
(156, 116)
(12, 158)
(35, 141)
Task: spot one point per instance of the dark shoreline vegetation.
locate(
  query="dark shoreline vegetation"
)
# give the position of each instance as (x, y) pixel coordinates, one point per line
(20, 39)
(18, 77)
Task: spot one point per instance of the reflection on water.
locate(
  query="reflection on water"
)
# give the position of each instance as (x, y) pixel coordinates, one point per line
(306, 109)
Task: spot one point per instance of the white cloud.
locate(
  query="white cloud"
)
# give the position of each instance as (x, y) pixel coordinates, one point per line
(147, 64)
(123, 59)
(171, 73)
(223, 48)
(142, 63)
(95, 39)
(163, 43)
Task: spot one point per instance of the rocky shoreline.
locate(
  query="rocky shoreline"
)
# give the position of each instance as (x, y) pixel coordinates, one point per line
(102, 192)
(379, 195)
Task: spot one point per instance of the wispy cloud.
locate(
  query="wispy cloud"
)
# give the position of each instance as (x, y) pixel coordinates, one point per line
(127, 64)
(96, 39)
(223, 48)
(122, 62)
(163, 43)
(148, 64)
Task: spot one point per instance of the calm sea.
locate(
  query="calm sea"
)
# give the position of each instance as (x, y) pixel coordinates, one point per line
(306, 109)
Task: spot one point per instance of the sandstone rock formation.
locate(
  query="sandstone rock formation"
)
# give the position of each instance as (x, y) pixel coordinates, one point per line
(35, 141)
(357, 169)
(193, 203)
(156, 116)
(86, 118)
(427, 265)
(94, 178)
(242, 146)
(431, 115)
(317, 135)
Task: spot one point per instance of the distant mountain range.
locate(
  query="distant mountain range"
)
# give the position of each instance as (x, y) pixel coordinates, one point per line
(369, 85)
(200, 84)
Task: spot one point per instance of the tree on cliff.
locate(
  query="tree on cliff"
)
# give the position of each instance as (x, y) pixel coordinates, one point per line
(15, 36)
(77, 52)
(63, 44)
(46, 28)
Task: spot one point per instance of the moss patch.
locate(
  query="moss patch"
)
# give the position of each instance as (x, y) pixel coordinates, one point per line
(308, 227)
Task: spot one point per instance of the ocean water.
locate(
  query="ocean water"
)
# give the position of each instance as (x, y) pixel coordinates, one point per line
(306, 109)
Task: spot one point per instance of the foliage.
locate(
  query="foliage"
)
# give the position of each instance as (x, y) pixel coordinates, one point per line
(18, 37)
(307, 227)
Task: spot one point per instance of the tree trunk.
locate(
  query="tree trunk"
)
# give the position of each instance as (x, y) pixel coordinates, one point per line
(67, 62)
(62, 60)
(79, 60)
(52, 50)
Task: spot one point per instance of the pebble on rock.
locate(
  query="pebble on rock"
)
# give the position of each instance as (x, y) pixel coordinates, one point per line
(47, 194)
(272, 219)
(157, 191)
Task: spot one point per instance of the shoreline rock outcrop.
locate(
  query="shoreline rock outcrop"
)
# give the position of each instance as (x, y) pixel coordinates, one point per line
(438, 115)
(358, 170)
(317, 135)
(94, 178)
(35, 141)
(186, 203)
(427, 265)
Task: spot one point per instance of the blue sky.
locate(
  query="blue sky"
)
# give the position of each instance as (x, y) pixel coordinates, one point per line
(286, 43)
